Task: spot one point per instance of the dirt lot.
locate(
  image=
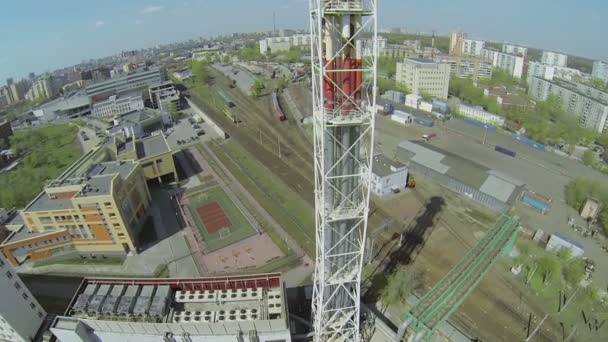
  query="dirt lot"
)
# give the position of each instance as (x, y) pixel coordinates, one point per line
(458, 225)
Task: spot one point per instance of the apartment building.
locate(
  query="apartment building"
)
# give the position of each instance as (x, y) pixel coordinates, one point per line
(515, 50)
(117, 105)
(139, 123)
(554, 58)
(541, 70)
(588, 104)
(425, 77)
(280, 44)
(600, 71)
(42, 88)
(152, 152)
(92, 209)
(472, 47)
(468, 67)
(512, 64)
(20, 313)
(457, 43)
(138, 80)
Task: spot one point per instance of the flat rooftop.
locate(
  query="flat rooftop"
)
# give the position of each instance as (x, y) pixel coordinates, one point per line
(199, 306)
(98, 181)
(152, 146)
(383, 166)
(572, 87)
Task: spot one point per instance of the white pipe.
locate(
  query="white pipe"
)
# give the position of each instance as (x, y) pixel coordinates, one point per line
(346, 27)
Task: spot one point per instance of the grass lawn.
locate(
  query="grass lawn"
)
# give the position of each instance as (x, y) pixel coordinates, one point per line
(274, 236)
(286, 207)
(48, 151)
(240, 230)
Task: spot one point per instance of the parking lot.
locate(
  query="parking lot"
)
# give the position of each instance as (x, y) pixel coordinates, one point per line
(184, 132)
(543, 172)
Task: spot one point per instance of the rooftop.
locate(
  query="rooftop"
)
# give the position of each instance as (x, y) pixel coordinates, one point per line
(23, 234)
(98, 181)
(152, 146)
(572, 87)
(219, 306)
(383, 166)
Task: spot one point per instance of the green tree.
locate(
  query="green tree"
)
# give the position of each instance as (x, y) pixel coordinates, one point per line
(573, 272)
(199, 70)
(589, 158)
(602, 139)
(250, 54)
(399, 285)
(282, 85)
(256, 88)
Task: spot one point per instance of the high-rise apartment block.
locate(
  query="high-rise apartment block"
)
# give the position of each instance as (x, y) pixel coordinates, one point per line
(468, 67)
(600, 70)
(20, 313)
(512, 64)
(280, 44)
(473, 47)
(589, 104)
(425, 77)
(457, 43)
(515, 50)
(554, 58)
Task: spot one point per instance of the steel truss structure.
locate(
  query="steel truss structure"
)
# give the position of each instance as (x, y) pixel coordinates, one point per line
(444, 298)
(344, 53)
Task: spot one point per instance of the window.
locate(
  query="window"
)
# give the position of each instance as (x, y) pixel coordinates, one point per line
(17, 286)
(40, 314)
(9, 275)
(121, 235)
(112, 215)
(1, 263)
(33, 306)
(25, 296)
(116, 225)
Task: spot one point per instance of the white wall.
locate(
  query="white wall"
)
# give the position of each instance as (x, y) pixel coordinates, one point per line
(17, 318)
(382, 185)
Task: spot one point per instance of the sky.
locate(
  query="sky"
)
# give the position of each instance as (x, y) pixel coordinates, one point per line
(39, 36)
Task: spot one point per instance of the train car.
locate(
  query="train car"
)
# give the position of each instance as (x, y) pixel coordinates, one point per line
(276, 106)
(226, 100)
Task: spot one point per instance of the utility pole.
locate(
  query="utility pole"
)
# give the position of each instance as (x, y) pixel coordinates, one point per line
(279, 143)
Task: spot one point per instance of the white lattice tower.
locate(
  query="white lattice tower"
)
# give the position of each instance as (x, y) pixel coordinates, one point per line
(344, 60)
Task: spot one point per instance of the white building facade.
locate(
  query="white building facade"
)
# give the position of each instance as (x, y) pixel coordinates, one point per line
(474, 68)
(515, 50)
(20, 313)
(473, 47)
(512, 64)
(600, 71)
(425, 77)
(554, 58)
(116, 105)
(588, 104)
(387, 176)
(481, 115)
(279, 44)
(538, 69)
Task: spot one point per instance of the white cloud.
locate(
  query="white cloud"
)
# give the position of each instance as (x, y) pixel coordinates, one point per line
(152, 9)
(139, 22)
(99, 23)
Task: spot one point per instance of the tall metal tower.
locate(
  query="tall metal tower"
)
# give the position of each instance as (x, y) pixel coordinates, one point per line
(344, 60)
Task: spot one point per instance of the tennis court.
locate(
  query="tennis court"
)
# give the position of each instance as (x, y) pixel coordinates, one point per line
(218, 219)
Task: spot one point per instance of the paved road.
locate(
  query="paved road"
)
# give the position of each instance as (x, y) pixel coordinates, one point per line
(295, 276)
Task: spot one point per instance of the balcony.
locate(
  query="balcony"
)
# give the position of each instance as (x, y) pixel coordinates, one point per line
(352, 6)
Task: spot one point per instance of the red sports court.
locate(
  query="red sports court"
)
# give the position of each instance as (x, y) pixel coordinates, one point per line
(214, 217)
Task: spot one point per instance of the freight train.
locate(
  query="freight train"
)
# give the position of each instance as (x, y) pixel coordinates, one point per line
(276, 106)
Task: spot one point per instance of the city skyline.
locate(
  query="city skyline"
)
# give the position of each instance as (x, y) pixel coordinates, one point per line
(68, 32)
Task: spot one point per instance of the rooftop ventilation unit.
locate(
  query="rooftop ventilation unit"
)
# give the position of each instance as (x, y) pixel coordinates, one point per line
(142, 304)
(109, 306)
(98, 299)
(127, 302)
(83, 299)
